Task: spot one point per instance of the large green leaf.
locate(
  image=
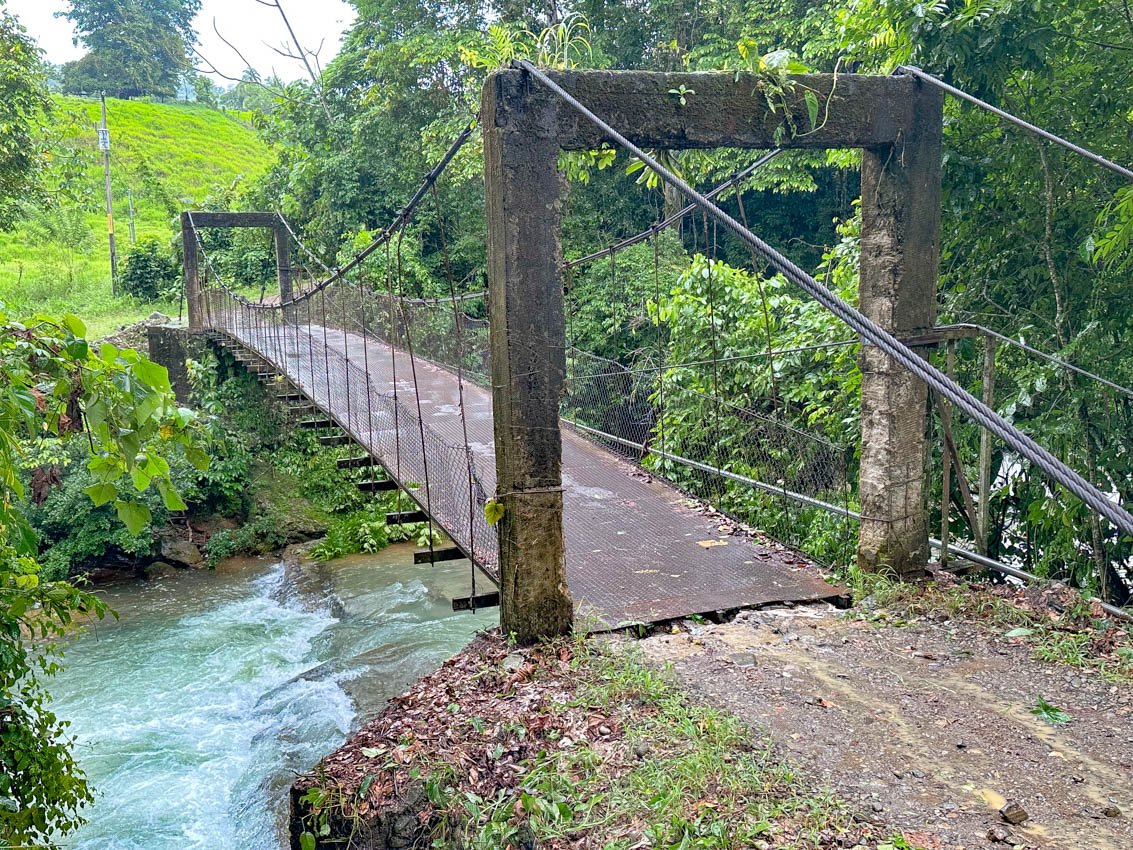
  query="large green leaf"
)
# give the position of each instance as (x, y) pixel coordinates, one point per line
(102, 493)
(134, 515)
(75, 325)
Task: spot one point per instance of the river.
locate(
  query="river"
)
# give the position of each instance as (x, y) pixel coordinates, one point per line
(193, 712)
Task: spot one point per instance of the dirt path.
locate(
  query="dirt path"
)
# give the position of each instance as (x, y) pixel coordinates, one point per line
(927, 727)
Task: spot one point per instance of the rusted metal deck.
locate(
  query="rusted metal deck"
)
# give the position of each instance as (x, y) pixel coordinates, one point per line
(637, 549)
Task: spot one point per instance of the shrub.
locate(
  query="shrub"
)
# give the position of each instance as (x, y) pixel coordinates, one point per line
(150, 272)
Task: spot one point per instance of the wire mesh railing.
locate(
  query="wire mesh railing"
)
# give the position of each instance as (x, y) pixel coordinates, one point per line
(328, 363)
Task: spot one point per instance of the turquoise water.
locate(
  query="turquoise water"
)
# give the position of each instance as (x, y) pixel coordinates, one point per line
(194, 711)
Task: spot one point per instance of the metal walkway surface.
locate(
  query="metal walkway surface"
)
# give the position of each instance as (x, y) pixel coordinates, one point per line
(637, 549)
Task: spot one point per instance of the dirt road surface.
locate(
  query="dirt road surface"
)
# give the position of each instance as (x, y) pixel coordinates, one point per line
(925, 727)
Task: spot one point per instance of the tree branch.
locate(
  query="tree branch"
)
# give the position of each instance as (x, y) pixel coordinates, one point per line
(303, 54)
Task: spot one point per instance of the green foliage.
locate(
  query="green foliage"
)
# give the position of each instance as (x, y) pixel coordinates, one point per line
(252, 94)
(261, 535)
(64, 227)
(1035, 244)
(150, 272)
(23, 103)
(704, 781)
(76, 534)
(170, 156)
(204, 91)
(121, 410)
(787, 420)
(1051, 714)
(136, 48)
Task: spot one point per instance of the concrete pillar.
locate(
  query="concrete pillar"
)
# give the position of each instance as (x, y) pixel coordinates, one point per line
(192, 277)
(170, 346)
(528, 355)
(283, 269)
(900, 255)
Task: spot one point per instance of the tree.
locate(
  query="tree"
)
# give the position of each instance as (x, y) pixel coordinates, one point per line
(23, 102)
(1025, 226)
(119, 405)
(137, 47)
(204, 92)
(253, 94)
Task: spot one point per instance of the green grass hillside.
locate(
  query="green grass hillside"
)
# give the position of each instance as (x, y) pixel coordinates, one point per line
(168, 156)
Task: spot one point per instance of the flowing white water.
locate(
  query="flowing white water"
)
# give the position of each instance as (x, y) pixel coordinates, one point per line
(195, 710)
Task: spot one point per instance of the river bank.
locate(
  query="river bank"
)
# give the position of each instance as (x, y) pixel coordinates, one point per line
(193, 712)
(945, 717)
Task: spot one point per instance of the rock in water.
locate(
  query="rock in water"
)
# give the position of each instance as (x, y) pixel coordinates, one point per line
(180, 551)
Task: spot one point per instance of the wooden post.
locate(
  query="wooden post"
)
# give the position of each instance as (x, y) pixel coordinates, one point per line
(283, 270)
(528, 358)
(946, 459)
(984, 506)
(192, 279)
(900, 250)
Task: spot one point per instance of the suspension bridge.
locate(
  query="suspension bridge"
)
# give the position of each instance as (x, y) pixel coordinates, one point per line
(550, 470)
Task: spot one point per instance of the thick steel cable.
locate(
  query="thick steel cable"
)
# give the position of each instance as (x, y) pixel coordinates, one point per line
(1017, 121)
(403, 216)
(640, 370)
(299, 242)
(979, 412)
(387, 234)
(676, 217)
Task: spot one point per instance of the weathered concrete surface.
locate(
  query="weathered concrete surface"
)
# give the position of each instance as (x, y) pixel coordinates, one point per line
(191, 281)
(723, 110)
(528, 355)
(171, 346)
(900, 254)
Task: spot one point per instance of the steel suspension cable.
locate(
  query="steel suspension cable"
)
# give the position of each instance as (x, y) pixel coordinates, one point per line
(295, 238)
(1051, 358)
(403, 216)
(458, 332)
(979, 412)
(417, 399)
(1017, 121)
(678, 216)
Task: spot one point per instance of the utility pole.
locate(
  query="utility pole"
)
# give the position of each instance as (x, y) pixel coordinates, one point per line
(104, 146)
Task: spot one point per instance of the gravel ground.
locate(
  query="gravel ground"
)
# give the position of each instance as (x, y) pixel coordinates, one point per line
(925, 727)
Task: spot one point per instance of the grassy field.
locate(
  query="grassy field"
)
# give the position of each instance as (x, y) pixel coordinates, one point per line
(169, 157)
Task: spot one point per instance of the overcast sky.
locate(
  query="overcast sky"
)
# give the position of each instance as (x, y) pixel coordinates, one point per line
(245, 23)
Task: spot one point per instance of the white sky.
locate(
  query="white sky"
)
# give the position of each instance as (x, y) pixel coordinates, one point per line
(248, 25)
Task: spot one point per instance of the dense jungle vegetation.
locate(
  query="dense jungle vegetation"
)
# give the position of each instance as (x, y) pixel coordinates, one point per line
(1037, 245)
